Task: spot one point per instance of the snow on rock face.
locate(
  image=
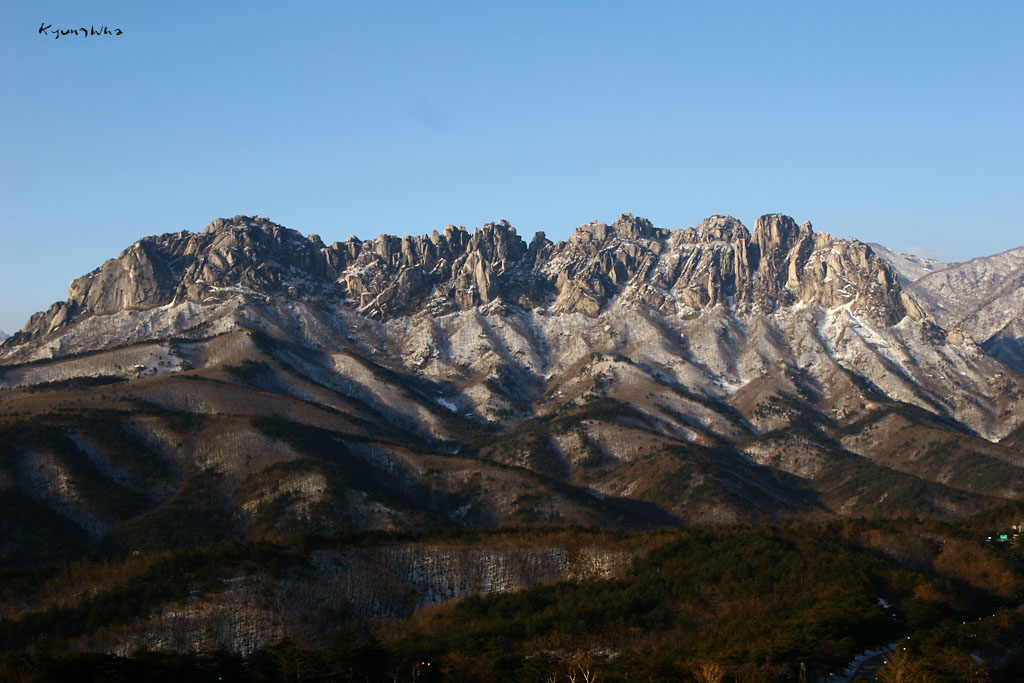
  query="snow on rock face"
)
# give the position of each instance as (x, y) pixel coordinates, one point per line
(498, 322)
(692, 270)
(961, 290)
(983, 299)
(124, 327)
(142, 360)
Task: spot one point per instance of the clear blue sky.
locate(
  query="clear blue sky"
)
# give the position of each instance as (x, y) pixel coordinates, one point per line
(896, 122)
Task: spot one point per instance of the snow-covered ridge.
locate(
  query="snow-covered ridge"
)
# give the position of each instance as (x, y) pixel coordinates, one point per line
(685, 271)
(500, 322)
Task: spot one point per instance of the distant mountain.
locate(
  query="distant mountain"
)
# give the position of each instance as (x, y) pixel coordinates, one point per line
(908, 267)
(983, 298)
(630, 376)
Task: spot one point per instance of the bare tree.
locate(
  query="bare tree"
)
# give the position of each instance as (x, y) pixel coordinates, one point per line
(900, 667)
(585, 674)
(708, 671)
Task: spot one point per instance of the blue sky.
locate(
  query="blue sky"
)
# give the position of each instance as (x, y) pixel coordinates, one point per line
(891, 122)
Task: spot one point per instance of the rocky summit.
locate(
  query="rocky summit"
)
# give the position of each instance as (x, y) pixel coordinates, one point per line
(631, 376)
(677, 273)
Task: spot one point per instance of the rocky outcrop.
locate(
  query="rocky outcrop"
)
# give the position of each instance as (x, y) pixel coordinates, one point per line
(818, 268)
(243, 254)
(682, 272)
(721, 262)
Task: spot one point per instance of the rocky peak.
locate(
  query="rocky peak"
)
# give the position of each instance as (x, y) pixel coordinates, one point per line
(796, 264)
(681, 273)
(239, 222)
(628, 227)
(498, 242)
(716, 228)
(594, 231)
(625, 227)
(776, 233)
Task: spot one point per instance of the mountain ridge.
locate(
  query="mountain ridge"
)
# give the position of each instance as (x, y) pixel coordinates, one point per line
(630, 376)
(754, 269)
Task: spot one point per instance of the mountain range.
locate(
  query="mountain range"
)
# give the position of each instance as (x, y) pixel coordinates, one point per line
(631, 376)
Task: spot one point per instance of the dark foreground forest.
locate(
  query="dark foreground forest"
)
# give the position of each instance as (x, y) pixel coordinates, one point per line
(733, 603)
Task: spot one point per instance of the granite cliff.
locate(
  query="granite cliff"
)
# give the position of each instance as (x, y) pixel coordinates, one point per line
(675, 273)
(631, 376)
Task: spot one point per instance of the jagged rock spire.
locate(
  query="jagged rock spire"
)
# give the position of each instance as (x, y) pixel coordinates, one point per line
(682, 272)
